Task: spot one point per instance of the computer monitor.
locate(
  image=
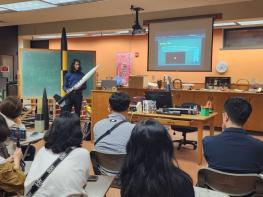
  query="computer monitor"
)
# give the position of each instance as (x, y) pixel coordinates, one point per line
(163, 99)
(108, 84)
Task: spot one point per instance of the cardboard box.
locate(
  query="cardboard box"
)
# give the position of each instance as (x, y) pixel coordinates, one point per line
(138, 81)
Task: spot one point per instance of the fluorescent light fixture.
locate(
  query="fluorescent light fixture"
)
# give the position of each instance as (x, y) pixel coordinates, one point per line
(96, 34)
(223, 24)
(3, 9)
(123, 32)
(68, 2)
(58, 36)
(256, 22)
(27, 5)
(116, 33)
(61, 1)
(72, 35)
(47, 37)
(110, 34)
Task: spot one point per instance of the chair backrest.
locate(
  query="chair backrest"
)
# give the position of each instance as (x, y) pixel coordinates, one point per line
(230, 183)
(104, 162)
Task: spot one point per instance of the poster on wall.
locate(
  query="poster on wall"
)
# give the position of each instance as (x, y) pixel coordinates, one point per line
(124, 62)
(4, 69)
(7, 67)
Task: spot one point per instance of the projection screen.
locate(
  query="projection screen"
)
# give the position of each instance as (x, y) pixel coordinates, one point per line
(181, 45)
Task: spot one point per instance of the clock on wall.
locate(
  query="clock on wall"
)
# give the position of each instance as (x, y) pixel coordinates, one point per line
(221, 67)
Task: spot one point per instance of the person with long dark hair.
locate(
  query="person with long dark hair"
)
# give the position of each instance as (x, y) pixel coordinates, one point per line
(71, 78)
(71, 174)
(150, 169)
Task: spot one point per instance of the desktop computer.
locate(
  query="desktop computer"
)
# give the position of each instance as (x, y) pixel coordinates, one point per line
(163, 98)
(164, 103)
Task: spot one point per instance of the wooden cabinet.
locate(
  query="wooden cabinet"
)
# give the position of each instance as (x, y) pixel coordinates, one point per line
(254, 123)
(100, 103)
(180, 97)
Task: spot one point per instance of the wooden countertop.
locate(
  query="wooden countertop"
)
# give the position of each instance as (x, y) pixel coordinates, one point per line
(97, 90)
(181, 117)
(232, 91)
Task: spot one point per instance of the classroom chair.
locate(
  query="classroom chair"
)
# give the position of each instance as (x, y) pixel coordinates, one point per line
(107, 164)
(231, 184)
(186, 129)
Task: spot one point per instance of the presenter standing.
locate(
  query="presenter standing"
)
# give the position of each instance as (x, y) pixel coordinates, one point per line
(71, 78)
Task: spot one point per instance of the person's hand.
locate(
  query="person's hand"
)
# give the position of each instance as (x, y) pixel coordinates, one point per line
(18, 154)
(76, 88)
(10, 159)
(18, 120)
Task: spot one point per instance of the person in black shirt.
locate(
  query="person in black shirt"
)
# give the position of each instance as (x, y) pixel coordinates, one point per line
(234, 150)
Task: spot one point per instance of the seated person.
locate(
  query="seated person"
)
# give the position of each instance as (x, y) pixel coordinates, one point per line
(11, 176)
(150, 168)
(71, 174)
(115, 142)
(11, 109)
(234, 150)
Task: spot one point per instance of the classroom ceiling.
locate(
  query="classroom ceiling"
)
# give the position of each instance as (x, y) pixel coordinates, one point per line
(97, 9)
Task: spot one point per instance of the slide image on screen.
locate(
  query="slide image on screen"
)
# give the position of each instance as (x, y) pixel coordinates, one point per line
(179, 50)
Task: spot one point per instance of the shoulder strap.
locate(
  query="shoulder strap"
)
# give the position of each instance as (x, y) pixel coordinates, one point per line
(38, 183)
(109, 131)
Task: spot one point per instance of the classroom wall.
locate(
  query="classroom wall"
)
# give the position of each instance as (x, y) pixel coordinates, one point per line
(9, 44)
(247, 64)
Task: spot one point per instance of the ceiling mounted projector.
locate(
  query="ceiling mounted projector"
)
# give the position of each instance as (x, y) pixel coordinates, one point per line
(137, 28)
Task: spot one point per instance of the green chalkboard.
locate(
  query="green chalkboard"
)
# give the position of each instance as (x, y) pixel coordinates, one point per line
(41, 69)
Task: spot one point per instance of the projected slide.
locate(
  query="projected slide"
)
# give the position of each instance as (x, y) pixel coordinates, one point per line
(181, 45)
(180, 50)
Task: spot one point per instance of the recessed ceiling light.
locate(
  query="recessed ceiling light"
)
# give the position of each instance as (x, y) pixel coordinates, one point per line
(257, 22)
(223, 24)
(27, 5)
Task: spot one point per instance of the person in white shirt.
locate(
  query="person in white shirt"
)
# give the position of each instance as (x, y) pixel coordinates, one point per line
(71, 174)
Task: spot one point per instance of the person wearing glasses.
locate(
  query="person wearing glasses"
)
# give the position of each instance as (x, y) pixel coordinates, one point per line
(71, 78)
